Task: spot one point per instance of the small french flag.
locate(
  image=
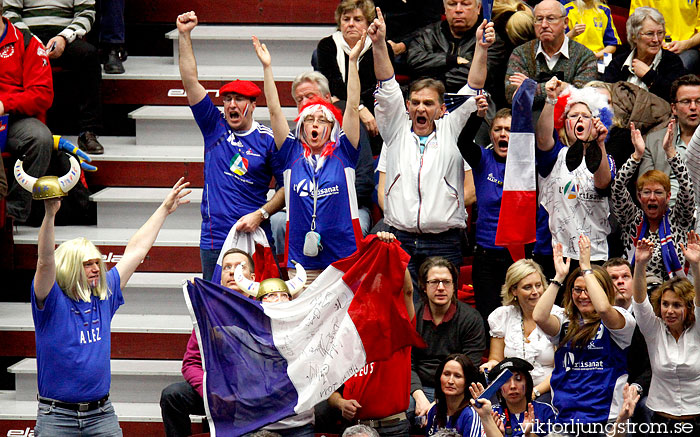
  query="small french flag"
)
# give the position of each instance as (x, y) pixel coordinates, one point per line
(517, 218)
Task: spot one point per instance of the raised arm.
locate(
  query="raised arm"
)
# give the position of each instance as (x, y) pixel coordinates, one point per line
(485, 37)
(280, 128)
(542, 313)
(622, 203)
(610, 317)
(692, 255)
(602, 176)
(45, 275)
(545, 124)
(351, 117)
(383, 69)
(186, 61)
(140, 243)
(642, 255)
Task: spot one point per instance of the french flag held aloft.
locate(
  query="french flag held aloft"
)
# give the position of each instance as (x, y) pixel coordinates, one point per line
(265, 362)
(517, 218)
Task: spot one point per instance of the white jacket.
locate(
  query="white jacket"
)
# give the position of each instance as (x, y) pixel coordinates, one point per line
(422, 194)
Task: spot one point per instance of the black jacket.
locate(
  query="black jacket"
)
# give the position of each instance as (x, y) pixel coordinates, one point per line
(658, 80)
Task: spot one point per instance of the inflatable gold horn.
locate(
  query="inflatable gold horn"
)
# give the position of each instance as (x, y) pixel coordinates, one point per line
(48, 187)
(294, 285)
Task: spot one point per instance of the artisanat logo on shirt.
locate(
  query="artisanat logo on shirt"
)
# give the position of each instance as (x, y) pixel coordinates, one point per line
(239, 165)
(569, 190)
(570, 363)
(305, 188)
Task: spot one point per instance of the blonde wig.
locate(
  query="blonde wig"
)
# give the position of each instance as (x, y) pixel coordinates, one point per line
(70, 274)
(518, 271)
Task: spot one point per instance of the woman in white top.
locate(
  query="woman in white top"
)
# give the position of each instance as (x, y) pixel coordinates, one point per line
(668, 322)
(514, 332)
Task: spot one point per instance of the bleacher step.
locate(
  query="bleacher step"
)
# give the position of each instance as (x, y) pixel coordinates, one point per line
(175, 125)
(227, 45)
(156, 293)
(119, 207)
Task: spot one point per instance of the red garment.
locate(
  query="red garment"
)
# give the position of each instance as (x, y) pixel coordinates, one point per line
(192, 365)
(382, 388)
(26, 86)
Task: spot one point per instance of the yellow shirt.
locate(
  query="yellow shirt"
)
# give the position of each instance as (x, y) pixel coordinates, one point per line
(682, 16)
(600, 29)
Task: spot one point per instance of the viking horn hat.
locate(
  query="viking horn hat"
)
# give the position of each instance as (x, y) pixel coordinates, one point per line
(48, 187)
(251, 287)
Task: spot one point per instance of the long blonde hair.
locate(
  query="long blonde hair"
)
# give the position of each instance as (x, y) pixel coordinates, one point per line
(70, 274)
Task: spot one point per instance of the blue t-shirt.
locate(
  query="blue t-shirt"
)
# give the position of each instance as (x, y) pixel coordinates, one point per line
(598, 370)
(73, 343)
(544, 415)
(468, 424)
(336, 211)
(237, 172)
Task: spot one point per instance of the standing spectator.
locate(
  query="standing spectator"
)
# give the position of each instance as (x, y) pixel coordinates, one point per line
(514, 332)
(683, 18)
(685, 107)
(447, 326)
(591, 24)
(647, 65)
(445, 50)
(574, 167)
(424, 202)
(62, 25)
(237, 155)
(669, 321)
(74, 299)
(112, 35)
(26, 93)
(593, 337)
(551, 54)
(353, 18)
(655, 221)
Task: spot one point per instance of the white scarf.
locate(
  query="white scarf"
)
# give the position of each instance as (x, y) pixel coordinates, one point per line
(343, 48)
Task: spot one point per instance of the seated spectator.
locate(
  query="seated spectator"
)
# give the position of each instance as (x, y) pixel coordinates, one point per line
(669, 321)
(647, 64)
(514, 332)
(447, 326)
(360, 431)
(26, 93)
(551, 54)
(61, 26)
(353, 18)
(445, 50)
(319, 162)
(452, 410)
(655, 221)
(427, 216)
(574, 167)
(592, 334)
(181, 399)
(683, 19)
(516, 398)
(591, 24)
(685, 107)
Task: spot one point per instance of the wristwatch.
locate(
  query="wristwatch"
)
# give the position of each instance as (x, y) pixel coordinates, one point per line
(536, 392)
(639, 388)
(265, 214)
(586, 272)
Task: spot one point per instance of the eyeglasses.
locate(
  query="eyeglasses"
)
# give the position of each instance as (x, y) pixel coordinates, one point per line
(433, 283)
(551, 19)
(687, 102)
(650, 35)
(649, 193)
(576, 291)
(319, 120)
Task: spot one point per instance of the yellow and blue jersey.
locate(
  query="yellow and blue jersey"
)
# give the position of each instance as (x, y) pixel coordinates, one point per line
(682, 16)
(600, 29)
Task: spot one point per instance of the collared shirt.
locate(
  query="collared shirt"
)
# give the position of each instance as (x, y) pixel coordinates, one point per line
(552, 60)
(451, 311)
(633, 79)
(675, 364)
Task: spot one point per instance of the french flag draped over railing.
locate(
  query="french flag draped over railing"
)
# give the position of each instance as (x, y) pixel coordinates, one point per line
(517, 219)
(265, 362)
(255, 243)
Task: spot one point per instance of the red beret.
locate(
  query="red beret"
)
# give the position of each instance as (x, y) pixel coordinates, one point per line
(245, 88)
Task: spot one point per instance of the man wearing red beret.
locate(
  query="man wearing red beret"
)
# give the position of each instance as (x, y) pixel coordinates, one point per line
(237, 155)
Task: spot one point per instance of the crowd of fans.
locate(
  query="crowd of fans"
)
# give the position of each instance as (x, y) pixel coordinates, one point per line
(597, 324)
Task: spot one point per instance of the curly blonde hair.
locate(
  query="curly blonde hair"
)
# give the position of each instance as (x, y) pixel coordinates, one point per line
(685, 292)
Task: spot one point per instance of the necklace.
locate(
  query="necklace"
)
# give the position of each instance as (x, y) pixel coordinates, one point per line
(522, 328)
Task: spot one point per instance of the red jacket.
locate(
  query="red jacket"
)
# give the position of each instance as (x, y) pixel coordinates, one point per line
(26, 86)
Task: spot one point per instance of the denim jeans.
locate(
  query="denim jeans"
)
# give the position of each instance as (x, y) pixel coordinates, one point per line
(112, 29)
(421, 246)
(54, 421)
(208, 258)
(411, 413)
